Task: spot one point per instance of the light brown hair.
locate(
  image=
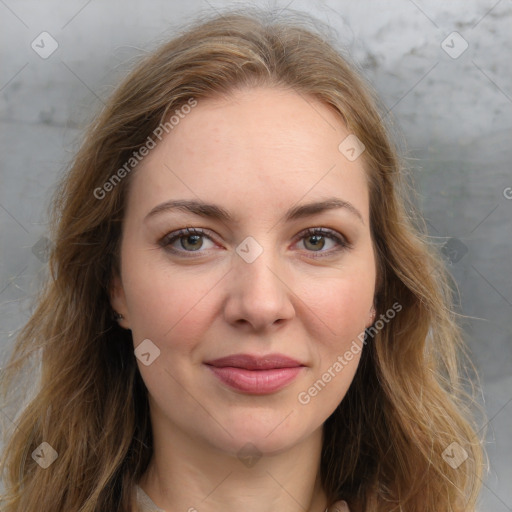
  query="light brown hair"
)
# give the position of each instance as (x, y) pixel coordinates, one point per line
(383, 446)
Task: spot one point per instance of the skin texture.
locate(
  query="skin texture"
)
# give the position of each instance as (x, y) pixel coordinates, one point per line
(256, 154)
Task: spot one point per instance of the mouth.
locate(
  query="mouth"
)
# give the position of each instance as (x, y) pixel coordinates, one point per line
(258, 375)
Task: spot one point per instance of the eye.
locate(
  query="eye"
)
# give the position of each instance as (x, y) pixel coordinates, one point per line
(187, 240)
(194, 240)
(322, 240)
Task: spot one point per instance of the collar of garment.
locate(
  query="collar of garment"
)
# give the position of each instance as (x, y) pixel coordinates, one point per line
(145, 504)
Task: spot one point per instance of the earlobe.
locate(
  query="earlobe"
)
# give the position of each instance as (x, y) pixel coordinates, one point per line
(118, 302)
(371, 316)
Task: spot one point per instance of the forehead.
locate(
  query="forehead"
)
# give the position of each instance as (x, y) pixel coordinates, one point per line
(261, 146)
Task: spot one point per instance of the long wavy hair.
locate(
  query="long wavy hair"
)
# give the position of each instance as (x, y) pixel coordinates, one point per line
(388, 445)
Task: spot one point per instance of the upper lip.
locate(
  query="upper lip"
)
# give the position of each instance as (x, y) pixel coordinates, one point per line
(251, 362)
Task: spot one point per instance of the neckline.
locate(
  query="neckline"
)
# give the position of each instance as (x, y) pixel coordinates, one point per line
(145, 501)
(149, 506)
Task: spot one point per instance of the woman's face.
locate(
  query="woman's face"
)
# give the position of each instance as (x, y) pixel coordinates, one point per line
(250, 314)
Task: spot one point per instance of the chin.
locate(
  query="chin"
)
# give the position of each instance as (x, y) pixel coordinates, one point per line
(266, 435)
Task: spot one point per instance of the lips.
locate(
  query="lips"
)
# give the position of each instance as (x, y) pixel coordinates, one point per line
(248, 362)
(256, 374)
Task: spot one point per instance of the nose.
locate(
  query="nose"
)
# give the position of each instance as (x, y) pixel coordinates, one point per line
(258, 295)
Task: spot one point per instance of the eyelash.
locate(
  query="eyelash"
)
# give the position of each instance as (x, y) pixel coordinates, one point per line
(342, 242)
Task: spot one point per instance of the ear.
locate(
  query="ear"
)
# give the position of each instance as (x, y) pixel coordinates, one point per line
(371, 316)
(118, 301)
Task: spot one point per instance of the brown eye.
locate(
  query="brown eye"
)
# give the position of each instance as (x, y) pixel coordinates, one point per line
(323, 241)
(187, 241)
(191, 242)
(314, 242)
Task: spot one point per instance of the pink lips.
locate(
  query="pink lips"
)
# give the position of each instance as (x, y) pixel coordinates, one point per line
(257, 375)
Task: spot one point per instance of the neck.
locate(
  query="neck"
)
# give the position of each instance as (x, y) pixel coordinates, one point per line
(189, 474)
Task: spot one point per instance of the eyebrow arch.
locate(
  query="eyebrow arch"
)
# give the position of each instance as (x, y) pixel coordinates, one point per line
(309, 209)
(190, 206)
(216, 212)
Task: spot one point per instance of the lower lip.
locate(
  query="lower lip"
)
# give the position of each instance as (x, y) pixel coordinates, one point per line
(256, 382)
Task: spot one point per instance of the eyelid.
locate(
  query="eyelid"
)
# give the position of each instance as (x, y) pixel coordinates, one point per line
(166, 241)
(342, 242)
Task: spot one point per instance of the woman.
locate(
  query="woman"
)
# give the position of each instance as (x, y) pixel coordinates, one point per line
(241, 312)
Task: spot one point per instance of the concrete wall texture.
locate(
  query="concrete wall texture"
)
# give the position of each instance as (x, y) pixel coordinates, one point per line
(443, 69)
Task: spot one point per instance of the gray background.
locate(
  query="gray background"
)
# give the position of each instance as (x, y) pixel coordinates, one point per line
(454, 114)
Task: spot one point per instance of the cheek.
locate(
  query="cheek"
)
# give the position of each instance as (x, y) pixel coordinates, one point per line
(341, 303)
(166, 304)
(345, 305)
(343, 310)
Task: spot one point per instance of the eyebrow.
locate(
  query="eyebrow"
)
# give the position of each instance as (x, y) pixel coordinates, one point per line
(213, 211)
